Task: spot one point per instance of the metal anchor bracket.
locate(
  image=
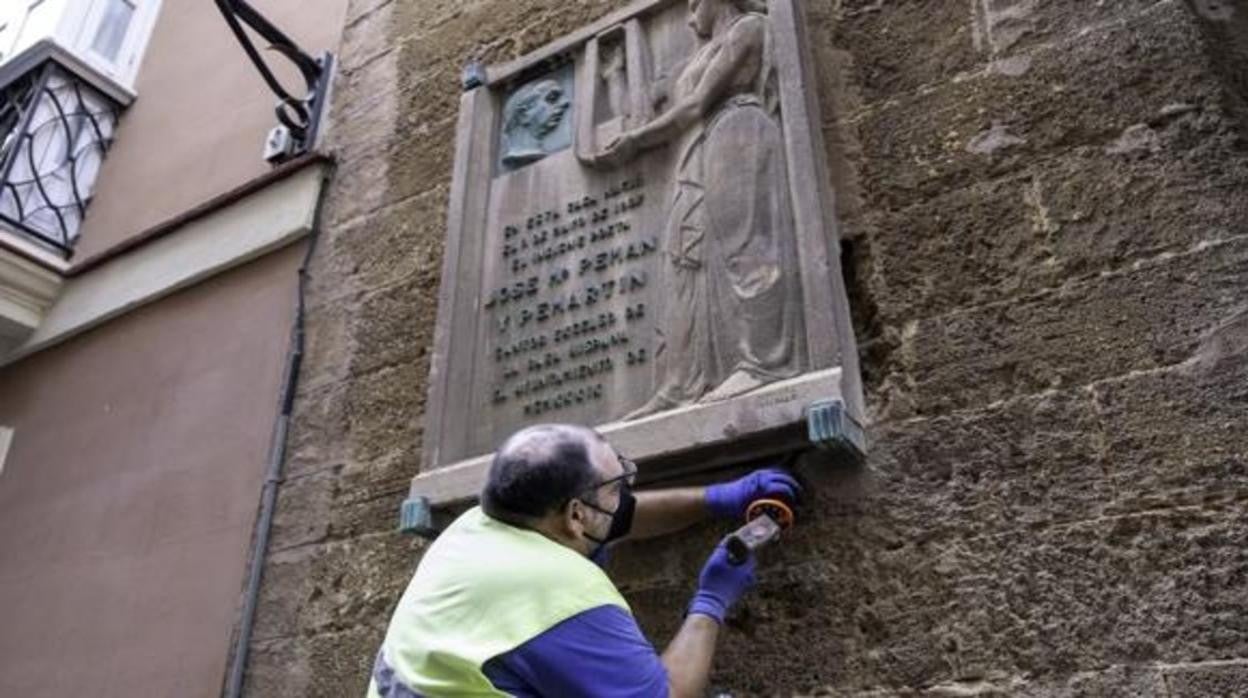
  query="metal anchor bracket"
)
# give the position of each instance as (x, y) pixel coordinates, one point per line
(831, 428)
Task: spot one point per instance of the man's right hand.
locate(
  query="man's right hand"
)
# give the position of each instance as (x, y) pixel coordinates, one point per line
(721, 584)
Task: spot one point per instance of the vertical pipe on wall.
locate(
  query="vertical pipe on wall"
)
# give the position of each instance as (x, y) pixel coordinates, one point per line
(277, 459)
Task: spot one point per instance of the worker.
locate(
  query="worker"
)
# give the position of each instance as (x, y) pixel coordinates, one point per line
(511, 599)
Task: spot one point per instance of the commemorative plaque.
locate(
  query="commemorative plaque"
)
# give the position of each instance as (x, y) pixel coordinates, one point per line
(641, 239)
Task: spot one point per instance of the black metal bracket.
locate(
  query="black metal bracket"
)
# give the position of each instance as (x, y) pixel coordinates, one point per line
(300, 115)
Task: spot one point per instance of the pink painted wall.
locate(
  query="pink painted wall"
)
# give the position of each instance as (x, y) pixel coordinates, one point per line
(197, 129)
(130, 493)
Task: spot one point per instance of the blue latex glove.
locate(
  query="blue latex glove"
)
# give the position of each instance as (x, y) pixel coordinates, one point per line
(730, 499)
(721, 584)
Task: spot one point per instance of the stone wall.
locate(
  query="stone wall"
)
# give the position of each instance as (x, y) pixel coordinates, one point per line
(1046, 211)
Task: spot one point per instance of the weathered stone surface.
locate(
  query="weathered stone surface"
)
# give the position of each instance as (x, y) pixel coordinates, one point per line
(369, 495)
(1114, 682)
(1054, 221)
(328, 345)
(1054, 504)
(278, 668)
(393, 327)
(491, 31)
(385, 174)
(319, 413)
(365, 105)
(363, 418)
(384, 411)
(1030, 463)
(400, 243)
(333, 587)
(1177, 438)
(949, 40)
(358, 9)
(1083, 92)
(328, 665)
(304, 504)
(1041, 603)
(1149, 316)
(366, 33)
(1212, 680)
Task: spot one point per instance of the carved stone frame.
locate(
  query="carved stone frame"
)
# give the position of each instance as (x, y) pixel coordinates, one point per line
(768, 420)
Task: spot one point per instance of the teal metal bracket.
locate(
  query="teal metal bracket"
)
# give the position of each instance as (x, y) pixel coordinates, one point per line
(416, 516)
(831, 428)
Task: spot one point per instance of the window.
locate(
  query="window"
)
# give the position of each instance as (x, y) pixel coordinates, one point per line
(108, 35)
(113, 27)
(111, 34)
(6, 439)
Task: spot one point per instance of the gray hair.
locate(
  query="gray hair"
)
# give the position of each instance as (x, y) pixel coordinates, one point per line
(539, 469)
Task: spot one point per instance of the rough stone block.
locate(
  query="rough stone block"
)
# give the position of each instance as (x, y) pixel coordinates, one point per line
(1114, 682)
(396, 244)
(304, 503)
(360, 8)
(1085, 92)
(366, 34)
(981, 550)
(359, 420)
(379, 175)
(946, 40)
(491, 31)
(1212, 680)
(384, 413)
(327, 665)
(335, 586)
(369, 497)
(1060, 219)
(1150, 316)
(365, 105)
(1176, 438)
(340, 663)
(395, 326)
(317, 432)
(1040, 603)
(328, 344)
(1022, 465)
(431, 97)
(277, 669)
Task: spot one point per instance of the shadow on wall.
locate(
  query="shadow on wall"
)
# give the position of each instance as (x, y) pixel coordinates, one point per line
(1225, 26)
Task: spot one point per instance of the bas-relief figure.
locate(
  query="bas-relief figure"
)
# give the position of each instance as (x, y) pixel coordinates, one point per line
(531, 117)
(733, 320)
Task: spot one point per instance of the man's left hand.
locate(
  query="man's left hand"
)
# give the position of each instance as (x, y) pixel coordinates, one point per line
(729, 500)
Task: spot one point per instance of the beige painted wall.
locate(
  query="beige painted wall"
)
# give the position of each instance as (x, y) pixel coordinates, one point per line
(129, 497)
(198, 126)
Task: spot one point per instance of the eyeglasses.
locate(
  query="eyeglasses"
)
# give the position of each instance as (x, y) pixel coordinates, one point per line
(629, 476)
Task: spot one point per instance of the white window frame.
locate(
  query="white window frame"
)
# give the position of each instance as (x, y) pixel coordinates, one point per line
(72, 25)
(82, 22)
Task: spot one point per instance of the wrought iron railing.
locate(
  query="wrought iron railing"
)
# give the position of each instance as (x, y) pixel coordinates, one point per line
(55, 128)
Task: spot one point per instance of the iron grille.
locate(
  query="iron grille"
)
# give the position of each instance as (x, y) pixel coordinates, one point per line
(55, 129)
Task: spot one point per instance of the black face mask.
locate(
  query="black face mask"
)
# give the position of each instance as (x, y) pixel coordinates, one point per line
(621, 518)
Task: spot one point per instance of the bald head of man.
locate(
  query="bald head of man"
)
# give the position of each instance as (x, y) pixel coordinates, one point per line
(543, 476)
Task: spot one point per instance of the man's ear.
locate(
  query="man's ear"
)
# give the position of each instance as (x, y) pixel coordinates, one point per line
(573, 517)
